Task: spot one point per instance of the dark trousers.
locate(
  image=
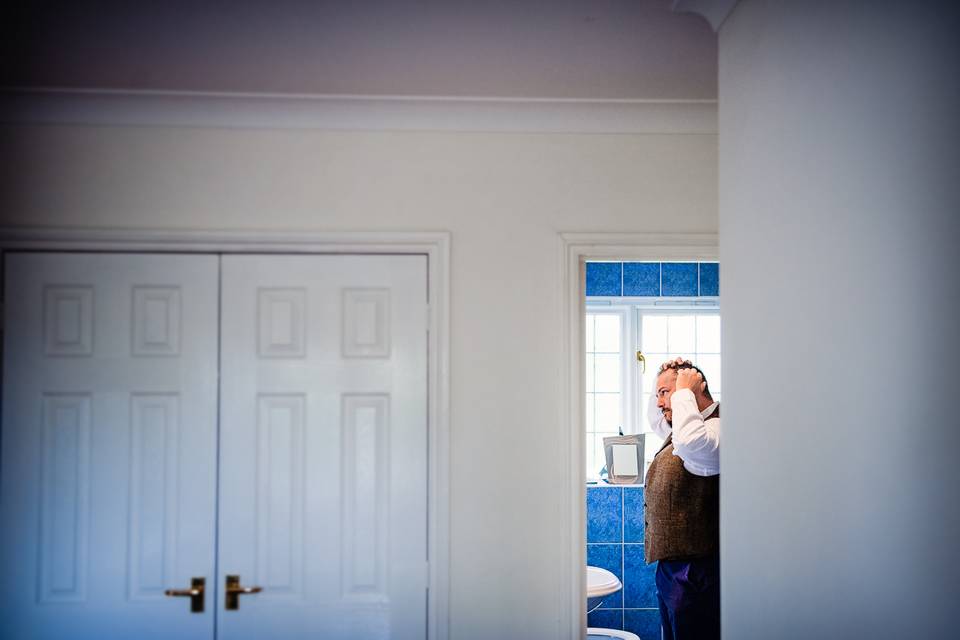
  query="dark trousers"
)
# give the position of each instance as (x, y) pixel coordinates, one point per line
(689, 595)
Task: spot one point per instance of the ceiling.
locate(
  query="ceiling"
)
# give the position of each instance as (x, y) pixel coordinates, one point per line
(580, 49)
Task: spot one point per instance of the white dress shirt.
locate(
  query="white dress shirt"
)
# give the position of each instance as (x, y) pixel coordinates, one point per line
(696, 435)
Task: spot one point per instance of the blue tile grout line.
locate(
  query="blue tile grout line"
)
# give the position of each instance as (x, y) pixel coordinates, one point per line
(623, 561)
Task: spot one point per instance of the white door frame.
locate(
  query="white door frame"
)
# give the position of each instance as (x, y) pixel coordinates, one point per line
(575, 250)
(435, 245)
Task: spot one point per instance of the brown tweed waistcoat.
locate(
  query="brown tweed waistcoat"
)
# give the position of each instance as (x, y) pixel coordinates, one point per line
(681, 510)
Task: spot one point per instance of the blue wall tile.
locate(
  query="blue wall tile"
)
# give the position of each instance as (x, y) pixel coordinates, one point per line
(678, 279)
(639, 585)
(610, 507)
(643, 622)
(604, 278)
(709, 279)
(604, 514)
(606, 619)
(633, 514)
(641, 278)
(653, 279)
(609, 557)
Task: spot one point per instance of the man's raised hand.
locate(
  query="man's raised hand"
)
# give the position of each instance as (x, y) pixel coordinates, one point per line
(691, 379)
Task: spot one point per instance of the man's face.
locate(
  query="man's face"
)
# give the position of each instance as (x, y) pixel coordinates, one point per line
(666, 384)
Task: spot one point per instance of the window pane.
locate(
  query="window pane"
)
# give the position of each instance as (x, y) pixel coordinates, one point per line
(710, 365)
(607, 372)
(651, 444)
(592, 467)
(654, 360)
(708, 334)
(599, 459)
(608, 333)
(691, 336)
(681, 335)
(588, 410)
(645, 411)
(654, 336)
(589, 373)
(589, 330)
(608, 416)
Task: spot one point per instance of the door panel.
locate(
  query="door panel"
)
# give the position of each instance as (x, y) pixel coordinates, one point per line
(107, 494)
(324, 446)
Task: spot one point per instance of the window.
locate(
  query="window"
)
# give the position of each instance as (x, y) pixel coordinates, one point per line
(607, 339)
(666, 334)
(618, 390)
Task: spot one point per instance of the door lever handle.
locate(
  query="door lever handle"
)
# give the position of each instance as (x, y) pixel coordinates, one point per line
(195, 593)
(233, 592)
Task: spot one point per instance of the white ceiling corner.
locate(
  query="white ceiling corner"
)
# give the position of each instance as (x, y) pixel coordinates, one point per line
(714, 11)
(628, 66)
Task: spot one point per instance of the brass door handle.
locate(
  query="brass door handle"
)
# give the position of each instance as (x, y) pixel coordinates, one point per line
(233, 592)
(195, 593)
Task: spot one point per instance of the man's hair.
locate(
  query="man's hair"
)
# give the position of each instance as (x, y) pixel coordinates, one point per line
(686, 364)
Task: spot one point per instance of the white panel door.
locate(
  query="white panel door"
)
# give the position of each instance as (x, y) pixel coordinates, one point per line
(107, 494)
(323, 468)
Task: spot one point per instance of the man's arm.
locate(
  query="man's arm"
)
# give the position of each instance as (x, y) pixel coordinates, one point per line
(695, 440)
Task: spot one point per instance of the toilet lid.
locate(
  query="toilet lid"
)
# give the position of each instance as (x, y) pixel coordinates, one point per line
(601, 582)
(610, 634)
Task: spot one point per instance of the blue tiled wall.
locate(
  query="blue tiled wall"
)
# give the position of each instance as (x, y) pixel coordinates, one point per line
(615, 542)
(653, 279)
(679, 279)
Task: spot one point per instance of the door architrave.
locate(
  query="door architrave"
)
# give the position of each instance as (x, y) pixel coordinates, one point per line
(575, 250)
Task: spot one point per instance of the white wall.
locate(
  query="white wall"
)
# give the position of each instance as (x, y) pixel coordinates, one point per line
(504, 197)
(838, 232)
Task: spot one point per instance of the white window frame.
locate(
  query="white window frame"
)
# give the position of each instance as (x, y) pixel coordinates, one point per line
(628, 382)
(632, 309)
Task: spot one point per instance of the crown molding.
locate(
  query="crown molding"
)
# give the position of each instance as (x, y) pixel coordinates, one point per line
(356, 113)
(714, 11)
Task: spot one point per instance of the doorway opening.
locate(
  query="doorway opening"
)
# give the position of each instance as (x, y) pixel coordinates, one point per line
(613, 346)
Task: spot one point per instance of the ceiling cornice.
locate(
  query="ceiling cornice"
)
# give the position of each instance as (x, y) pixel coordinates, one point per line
(374, 113)
(714, 11)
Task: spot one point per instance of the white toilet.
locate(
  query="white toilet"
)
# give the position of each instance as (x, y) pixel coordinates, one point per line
(601, 583)
(594, 633)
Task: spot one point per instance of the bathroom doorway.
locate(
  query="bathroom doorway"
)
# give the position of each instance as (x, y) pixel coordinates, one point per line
(638, 316)
(607, 386)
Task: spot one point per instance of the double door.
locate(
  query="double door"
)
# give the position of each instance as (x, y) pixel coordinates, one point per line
(204, 446)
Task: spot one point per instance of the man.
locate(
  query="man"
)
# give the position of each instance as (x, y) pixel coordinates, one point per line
(682, 504)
